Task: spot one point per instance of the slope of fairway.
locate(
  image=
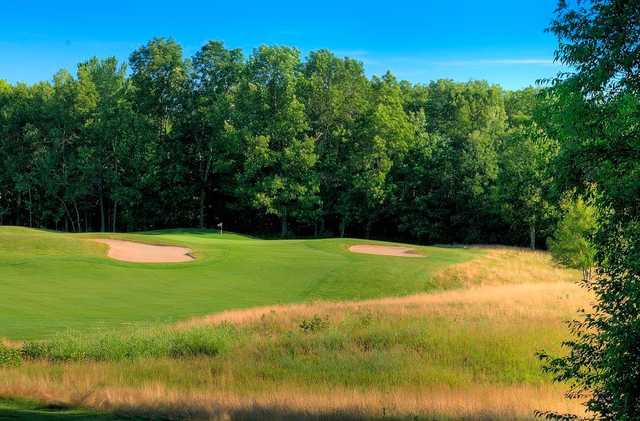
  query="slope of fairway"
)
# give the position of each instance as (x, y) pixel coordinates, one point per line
(51, 281)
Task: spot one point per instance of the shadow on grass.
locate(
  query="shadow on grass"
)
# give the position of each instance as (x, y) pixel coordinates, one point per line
(20, 410)
(259, 412)
(23, 411)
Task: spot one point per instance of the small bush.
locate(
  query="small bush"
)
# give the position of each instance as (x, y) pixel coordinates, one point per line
(9, 357)
(34, 350)
(314, 324)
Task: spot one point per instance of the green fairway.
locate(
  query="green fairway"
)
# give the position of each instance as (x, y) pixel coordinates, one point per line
(51, 281)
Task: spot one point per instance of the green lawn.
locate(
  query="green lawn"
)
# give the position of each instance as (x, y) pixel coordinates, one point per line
(51, 281)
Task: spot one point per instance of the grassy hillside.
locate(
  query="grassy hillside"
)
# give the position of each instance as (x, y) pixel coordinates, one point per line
(451, 336)
(51, 281)
(464, 354)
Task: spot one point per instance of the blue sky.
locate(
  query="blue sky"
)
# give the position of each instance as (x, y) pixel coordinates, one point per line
(500, 41)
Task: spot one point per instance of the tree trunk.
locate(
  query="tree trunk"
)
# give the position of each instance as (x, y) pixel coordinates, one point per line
(203, 194)
(30, 210)
(115, 213)
(532, 237)
(343, 226)
(368, 229)
(75, 206)
(284, 221)
(18, 204)
(101, 211)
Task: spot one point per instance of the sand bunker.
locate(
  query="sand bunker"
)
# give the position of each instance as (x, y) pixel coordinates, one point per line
(130, 251)
(385, 250)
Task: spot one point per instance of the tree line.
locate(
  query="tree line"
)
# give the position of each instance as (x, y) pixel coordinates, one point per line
(271, 143)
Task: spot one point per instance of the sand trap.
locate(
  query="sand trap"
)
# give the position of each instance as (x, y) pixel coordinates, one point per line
(385, 250)
(130, 251)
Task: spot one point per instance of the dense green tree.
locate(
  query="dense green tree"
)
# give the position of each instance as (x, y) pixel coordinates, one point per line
(216, 75)
(102, 93)
(525, 183)
(418, 194)
(335, 93)
(595, 116)
(277, 174)
(159, 87)
(472, 118)
(316, 145)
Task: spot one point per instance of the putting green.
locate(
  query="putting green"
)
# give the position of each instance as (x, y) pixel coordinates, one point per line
(52, 281)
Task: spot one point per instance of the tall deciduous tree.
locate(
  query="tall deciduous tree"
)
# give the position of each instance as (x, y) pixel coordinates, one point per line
(525, 183)
(102, 93)
(277, 174)
(217, 73)
(159, 83)
(335, 93)
(596, 118)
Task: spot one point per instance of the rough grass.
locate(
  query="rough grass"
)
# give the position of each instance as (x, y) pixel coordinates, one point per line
(50, 282)
(505, 265)
(134, 344)
(465, 354)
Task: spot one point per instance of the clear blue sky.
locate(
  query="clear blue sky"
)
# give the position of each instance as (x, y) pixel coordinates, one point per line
(502, 41)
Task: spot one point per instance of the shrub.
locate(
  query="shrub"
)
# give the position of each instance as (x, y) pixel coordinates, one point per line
(314, 324)
(571, 245)
(9, 356)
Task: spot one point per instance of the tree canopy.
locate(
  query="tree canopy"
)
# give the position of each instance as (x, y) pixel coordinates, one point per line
(272, 143)
(594, 112)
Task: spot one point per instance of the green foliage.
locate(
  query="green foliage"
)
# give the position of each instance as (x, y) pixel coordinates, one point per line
(312, 144)
(571, 243)
(277, 173)
(9, 356)
(524, 189)
(594, 113)
(314, 324)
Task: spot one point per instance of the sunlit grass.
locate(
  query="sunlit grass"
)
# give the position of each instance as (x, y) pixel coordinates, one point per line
(466, 353)
(51, 282)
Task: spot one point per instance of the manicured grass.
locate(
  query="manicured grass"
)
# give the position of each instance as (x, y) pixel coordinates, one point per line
(51, 282)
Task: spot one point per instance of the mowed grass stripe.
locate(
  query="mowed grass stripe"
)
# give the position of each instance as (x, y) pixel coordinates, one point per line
(52, 281)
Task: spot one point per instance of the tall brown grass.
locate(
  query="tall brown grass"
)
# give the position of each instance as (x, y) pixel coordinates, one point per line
(506, 265)
(483, 402)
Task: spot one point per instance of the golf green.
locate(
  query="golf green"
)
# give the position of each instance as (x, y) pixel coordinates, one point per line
(51, 281)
